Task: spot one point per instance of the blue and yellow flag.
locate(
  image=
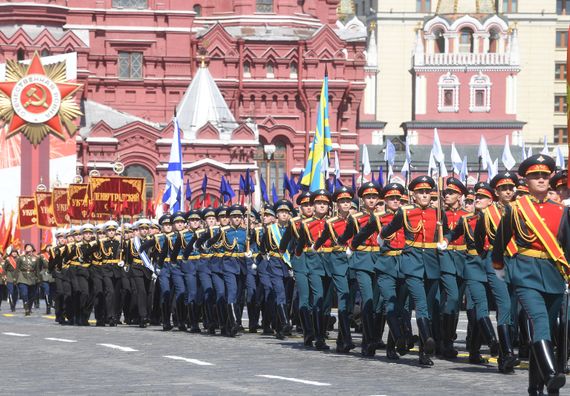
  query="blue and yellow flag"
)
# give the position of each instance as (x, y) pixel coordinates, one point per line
(314, 174)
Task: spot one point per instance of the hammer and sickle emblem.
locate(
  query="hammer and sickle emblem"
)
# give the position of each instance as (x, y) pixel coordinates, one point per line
(34, 99)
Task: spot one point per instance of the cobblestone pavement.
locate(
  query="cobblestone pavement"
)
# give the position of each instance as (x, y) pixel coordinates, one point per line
(41, 357)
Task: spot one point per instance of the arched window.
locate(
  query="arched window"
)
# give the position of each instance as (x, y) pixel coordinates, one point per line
(466, 40)
(272, 161)
(197, 9)
(141, 171)
(246, 69)
(264, 5)
(45, 52)
(293, 70)
(448, 93)
(493, 40)
(439, 42)
(21, 54)
(269, 70)
(480, 93)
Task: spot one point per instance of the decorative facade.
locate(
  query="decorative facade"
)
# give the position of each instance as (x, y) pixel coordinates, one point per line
(465, 69)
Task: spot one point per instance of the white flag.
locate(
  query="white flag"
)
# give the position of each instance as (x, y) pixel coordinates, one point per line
(507, 157)
(456, 160)
(545, 147)
(529, 152)
(432, 164)
(257, 200)
(365, 161)
(408, 161)
(560, 164)
(493, 168)
(483, 153)
(523, 151)
(464, 173)
(336, 166)
(436, 149)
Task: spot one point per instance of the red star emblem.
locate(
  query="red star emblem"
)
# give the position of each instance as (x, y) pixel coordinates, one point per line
(36, 99)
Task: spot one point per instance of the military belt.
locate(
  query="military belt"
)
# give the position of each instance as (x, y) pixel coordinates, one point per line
(218, 254)
(137, 261)
(534, 253)
(392, 253)
(194, 257)
(112, 261)
(472, 252)
(368, 249)
(457, 247)
(422, 245)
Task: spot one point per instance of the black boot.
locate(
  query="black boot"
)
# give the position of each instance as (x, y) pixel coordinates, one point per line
(524, 335)
(253, 324)
(166, 325)
(447, 349)
(424, 356)
(562, 348)
(266, 320)
(391, 353)
(48, 306)
(473, 340)
(193, 318)
(368, 346)
(222, 318)
(542, 351)
(307, 324)
(233, 326)
(319, 323)
(507, 360)
(379, 325)
(344, 343)
(488, 333)
(210, 318)
(399, 339)
(27, 310)
(428, 343)
(181, 315)
(283, 327)
(535, 384)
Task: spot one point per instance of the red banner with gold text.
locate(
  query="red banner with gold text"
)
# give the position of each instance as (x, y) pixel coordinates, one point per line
(59, 204)
(27, 215)
(116, 196)
(44, 209)
(78, 201)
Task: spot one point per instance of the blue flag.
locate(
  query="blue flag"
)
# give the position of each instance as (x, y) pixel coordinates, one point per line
(188, 191)
(251, 183)
(274, 193)
(204, 184)
(287, 185)
(329, 185)
(241, 183)
(226, 190)
(263, 187)
(337, 183)
(381, 176)
(354, 183)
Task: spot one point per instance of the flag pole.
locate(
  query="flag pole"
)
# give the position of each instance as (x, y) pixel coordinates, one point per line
(480, 161)
(567, 99)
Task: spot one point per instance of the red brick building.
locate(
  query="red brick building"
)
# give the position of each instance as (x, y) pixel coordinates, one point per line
(253, 102)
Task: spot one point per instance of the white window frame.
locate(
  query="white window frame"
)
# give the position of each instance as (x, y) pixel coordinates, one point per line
(480, 82)
(448, 81)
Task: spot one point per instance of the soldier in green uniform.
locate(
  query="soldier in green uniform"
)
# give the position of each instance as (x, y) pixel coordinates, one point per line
(9, 266)
(27, 273)
(47, 282)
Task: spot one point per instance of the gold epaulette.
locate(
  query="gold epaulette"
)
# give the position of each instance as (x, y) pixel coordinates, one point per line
(102, 239)
(225, 228)
(408, 207)
(331, 220)
(295, 219)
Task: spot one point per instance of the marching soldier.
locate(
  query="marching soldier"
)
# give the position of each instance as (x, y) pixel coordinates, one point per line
(288, 245)
(452, 263)
(79, 257)
(337, 261)
(274, 268)
(362, 263)
(389, 280)
(319, 278)
(420, 256)
(539, 270)
(27, 273)
(141, 270)
(110, 248)
(46, 280)
(96, 277)
(10, 270)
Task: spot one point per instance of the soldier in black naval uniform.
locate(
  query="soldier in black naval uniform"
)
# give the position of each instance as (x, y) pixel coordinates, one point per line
(110, 248)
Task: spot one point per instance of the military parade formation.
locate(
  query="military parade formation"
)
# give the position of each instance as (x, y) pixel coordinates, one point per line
(382, 255)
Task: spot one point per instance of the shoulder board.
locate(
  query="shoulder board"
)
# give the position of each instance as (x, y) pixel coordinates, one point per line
(469, 216)
(103, 239)
(225, 228)
(408, 207)
(357, 215)
(308, 220)
(295, 219)
(333, 219)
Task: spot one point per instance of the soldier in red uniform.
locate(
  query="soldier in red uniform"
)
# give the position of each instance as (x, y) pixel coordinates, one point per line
(420, 256)
(362, 263)
(335, 259)
(539, 270)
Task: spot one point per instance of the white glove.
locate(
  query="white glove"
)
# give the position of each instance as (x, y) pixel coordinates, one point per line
(348, 252)
(266, 257)
(441, 246)
(248, 254)
(154, 277)
(254, 267)
(500, 274)
(291, 273)
(121, 263)
(380, 240)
